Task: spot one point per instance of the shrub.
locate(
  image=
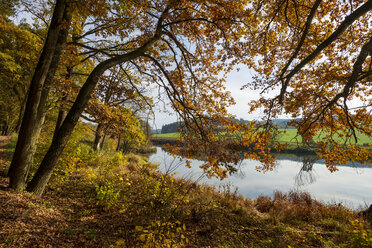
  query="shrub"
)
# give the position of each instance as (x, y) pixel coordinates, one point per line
(361, 234)
(264, 204)
(163, 234)
(107, 194)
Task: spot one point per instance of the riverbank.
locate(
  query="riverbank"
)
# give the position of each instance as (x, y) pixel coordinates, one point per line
(123, 201)
(291, 149)
(285, 136)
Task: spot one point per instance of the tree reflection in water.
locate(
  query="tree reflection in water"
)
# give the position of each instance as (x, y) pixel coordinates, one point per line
(306, 175)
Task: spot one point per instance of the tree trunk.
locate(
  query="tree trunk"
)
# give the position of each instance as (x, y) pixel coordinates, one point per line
(31, 122)
(61, 117)
(45, 170)
(100, 136)
(118, 147)
(21, 113)
(62, 112)
(98, 141)
(6, 129)
(103, 141)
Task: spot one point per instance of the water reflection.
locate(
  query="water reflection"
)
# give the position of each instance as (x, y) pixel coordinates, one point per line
(351, 185)
(306, 175)
(171, 165)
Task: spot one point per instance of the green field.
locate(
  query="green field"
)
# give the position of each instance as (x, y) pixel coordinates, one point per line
(289, 137)
(167, 135)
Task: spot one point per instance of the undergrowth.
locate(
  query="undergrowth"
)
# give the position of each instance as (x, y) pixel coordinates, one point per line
(138, 206)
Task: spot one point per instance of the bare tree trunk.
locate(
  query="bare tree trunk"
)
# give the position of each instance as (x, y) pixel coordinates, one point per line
(38, 92)
(103, 141)
(98, 141)
(100, 136)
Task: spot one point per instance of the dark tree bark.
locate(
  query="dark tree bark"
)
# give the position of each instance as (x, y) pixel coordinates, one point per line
(22, 98)
(38, 92)
(118, 146)
(5, 129)
(103, 140)
(42, 175)
(61, 117)
(21, 113)
(44, 172)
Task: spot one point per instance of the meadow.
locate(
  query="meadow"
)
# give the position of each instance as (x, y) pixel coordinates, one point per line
(285, 136)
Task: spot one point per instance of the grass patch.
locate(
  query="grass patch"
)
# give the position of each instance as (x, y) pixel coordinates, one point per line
(166, 135)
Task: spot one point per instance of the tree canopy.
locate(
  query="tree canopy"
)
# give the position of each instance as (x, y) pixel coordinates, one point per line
(19, 50)
(318, 53)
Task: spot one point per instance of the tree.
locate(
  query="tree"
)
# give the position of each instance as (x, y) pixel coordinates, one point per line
(156, 39)
(319, 54)
(115, 106)
(186, 48)
(37, 95)
(170, 128)
(7, 7)
(19, 49)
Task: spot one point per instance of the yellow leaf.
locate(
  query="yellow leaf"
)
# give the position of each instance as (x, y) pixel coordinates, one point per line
(120, 242)
(142, 237)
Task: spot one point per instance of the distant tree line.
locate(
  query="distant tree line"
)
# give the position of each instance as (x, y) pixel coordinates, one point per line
(171, 128)
(174, 126)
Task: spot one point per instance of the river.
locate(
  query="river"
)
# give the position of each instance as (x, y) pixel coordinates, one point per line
(351, 185)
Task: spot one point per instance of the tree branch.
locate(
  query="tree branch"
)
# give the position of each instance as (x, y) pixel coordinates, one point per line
(341, 28)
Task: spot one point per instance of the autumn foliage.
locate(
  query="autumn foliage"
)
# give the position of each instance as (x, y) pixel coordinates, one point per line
(79, 81)
(311, 61)
(318, 53)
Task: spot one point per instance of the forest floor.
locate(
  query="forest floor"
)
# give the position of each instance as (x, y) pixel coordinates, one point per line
(5, 156)
(153, 210)
(61, 218)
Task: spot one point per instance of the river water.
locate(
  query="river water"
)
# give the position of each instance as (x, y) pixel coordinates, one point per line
(351, 185)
